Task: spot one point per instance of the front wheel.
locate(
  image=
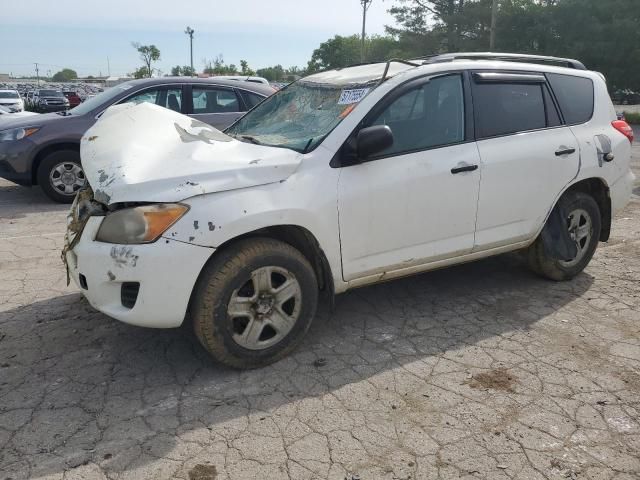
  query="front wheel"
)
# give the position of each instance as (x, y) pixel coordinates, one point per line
(254, 302)
(61, 176)
(583, 222)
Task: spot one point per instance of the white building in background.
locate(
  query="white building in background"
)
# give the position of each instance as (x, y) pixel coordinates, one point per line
(112, 81)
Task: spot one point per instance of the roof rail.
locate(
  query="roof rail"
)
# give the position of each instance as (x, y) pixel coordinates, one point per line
(513, 57)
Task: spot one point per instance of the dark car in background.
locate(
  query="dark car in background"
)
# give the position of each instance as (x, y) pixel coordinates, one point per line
(47, 100)
(73, 97)
(45, 150)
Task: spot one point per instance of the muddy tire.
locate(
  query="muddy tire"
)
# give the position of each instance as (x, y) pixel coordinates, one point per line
(61, 176)
(254, 302)
(584, 223)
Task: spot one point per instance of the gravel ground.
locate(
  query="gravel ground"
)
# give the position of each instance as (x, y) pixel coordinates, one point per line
(479, 371)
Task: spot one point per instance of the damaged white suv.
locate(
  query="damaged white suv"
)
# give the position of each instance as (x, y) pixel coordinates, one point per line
(344, 178)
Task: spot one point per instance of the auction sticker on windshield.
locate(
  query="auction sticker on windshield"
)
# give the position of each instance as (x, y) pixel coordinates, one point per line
(352, 96)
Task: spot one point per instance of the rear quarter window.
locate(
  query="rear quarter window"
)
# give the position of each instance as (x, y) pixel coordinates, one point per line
(574, 95)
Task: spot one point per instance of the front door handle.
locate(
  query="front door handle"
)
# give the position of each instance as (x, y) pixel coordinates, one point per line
(464, 168)
(565, 151)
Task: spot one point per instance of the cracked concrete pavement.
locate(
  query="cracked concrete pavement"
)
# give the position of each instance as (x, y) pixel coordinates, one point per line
(478, 371)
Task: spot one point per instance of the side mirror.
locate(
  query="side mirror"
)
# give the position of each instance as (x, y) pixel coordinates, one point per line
(372, 140)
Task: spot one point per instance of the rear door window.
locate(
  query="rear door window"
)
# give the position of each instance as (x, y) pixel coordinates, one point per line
(251, 99)
(575, 96)
(214, 100)
(149, 96)
(506, 108)
(163, 96)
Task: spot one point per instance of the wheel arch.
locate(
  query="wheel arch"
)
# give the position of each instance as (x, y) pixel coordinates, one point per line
(46, 150)
(299, 238)
(598, 189)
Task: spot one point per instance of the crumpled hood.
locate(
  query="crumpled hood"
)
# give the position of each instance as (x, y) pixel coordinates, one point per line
(146, 153)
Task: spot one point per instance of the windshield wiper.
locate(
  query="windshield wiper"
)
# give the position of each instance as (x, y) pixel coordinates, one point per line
(64, 113)
(306, 147)
(253, 140)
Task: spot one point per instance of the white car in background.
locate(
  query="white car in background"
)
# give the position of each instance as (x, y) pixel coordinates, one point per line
(7, 115)
(12, 100)
(345, 178)
(244, 78)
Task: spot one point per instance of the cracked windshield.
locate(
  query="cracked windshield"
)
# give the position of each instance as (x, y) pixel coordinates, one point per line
(300, 116)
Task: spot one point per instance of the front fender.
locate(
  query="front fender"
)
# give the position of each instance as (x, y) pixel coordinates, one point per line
(217, 218)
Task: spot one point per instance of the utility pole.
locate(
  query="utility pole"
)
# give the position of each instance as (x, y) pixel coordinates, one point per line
(37, 73)
(365, 6)
(494, 20)
(108, 67)
(190, 31)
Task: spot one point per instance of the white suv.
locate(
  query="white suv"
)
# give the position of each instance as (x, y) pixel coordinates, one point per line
(345, 178)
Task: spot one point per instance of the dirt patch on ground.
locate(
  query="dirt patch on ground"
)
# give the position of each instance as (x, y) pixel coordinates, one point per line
(203, 472)
(496, 379)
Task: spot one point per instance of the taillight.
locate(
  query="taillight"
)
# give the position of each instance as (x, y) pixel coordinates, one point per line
(624, 128)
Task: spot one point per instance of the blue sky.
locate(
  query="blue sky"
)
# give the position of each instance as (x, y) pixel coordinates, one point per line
(82, 34)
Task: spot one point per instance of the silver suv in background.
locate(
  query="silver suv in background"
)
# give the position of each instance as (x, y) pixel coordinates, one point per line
(45, 150)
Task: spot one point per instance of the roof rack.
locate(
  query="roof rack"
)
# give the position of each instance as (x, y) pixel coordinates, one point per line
(512, 57)
(395, 60)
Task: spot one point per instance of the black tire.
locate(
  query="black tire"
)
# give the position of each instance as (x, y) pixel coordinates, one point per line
(544, 265)
(231, 270)
(51, 162)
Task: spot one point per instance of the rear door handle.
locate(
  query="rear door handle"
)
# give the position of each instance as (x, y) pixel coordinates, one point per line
(464, 168)
(565, 151)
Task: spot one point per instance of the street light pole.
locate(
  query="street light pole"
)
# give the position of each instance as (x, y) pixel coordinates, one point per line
(190, 31)
(365, 6)
(494, 20)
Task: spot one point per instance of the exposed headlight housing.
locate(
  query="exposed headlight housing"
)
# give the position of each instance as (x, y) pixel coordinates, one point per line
(144, 224)
(17, 133)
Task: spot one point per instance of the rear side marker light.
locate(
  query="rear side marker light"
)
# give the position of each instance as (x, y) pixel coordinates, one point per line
(624, 128)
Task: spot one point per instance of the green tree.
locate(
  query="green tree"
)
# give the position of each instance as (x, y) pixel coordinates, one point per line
(339, 51)
(218, 67)
(148, 54)
(442, 25)
(273, 74)
(245, 69)
(184, 71)
(65, 75)
(140, 72)
(187, 71)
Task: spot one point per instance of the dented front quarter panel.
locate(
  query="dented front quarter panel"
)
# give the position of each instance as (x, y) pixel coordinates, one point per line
(146, 153)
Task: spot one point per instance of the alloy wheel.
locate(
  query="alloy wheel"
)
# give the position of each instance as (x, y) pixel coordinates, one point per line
(265, 308)
(580, 229)
(67, 178)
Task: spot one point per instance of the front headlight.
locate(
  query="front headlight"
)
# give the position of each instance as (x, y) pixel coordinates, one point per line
(17, 133)
(142, 224)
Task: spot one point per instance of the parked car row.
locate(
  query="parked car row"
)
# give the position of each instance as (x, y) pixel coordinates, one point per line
(45, 150)
(625, 97)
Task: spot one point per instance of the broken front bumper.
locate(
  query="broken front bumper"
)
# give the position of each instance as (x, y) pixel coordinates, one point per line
(147, 285)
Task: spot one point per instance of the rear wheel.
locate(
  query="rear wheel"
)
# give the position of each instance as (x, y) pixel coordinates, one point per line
(583, 223)
(254, 302)
(61, 176)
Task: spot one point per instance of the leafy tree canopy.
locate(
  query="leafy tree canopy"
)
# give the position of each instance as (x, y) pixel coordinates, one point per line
(65, 75)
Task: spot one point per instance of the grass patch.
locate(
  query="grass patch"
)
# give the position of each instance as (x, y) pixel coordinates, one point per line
(632, 117)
